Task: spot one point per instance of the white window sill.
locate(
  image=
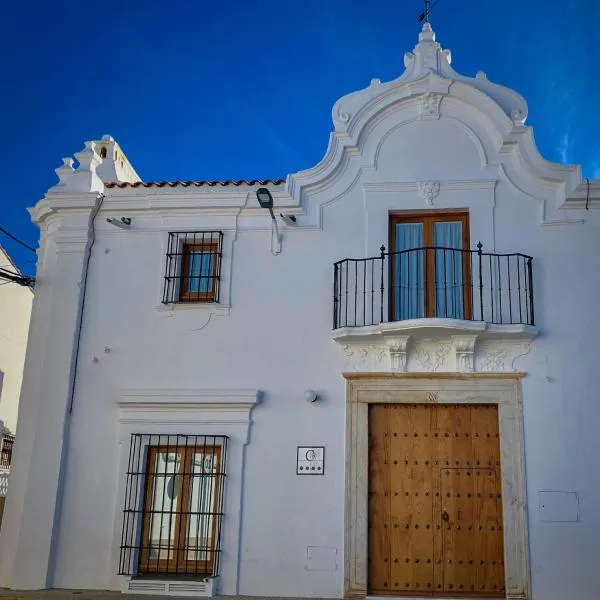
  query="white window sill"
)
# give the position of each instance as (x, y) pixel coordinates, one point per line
(431, 327)
(215, 308)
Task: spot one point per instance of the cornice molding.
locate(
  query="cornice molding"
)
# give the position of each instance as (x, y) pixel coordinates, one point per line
(166, 398)
(54, 202)
(413, 186)
(585, 196)
(215, 407)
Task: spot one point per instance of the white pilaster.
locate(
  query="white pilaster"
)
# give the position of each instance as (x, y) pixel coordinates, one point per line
(31, 518)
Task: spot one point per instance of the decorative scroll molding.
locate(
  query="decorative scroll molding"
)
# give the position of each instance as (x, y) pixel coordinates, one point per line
(501, 356)
(429, 191)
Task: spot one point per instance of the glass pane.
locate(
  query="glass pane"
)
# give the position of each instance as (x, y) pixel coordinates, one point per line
(200, 271)
(409, 297)
(203, 493)
(164, 505)
(448, 270)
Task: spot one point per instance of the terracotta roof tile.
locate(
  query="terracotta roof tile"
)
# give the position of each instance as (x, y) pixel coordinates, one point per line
(237, 183)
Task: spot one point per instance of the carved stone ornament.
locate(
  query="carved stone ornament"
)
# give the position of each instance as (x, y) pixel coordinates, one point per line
(431, 397)
(365, 358)
(494, 359)
(432, 357)
(464, 352)
(429, 191)
(464, 346)
(501, 357)
(398, 354)
(429, 106)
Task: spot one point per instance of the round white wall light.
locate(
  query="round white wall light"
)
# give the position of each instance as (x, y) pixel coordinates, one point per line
(310, 395)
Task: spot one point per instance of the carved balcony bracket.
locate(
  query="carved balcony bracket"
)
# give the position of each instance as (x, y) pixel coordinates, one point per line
(464, 347)
(397, 347)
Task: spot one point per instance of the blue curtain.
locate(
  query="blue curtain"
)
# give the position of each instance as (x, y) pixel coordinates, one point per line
(448, 270)
(199, 272)
(408, 272)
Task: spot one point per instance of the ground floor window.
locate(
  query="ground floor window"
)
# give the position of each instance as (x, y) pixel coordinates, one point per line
(173, 505)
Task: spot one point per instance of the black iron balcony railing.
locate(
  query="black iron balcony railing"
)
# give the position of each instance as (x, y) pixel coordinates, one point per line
(470, 285)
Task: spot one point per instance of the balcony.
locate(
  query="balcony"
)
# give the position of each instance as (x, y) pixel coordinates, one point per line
(433, 288)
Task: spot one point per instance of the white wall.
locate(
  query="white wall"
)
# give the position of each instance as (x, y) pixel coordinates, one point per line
(276, 339)
(15, 312)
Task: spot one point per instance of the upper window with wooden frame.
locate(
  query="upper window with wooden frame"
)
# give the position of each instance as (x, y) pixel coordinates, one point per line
(174, 499)
(193, 267)
(430, 266)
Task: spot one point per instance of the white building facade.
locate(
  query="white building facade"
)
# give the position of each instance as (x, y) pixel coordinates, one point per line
(215, 404)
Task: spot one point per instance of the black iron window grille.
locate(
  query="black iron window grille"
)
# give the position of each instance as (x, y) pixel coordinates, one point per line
(193, 266)
(173, 510)
(6, 446)
(428, 282)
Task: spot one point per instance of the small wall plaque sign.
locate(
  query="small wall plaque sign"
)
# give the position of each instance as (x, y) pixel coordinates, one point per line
(310, 460)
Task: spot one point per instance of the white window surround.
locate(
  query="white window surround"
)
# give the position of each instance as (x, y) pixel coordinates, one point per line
(503, 389)
(192, 412)
(225, 273)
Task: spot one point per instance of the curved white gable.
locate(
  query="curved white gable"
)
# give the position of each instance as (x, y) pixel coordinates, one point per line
(431, 93)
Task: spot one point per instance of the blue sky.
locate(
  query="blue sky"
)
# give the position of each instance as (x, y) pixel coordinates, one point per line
(207, 89)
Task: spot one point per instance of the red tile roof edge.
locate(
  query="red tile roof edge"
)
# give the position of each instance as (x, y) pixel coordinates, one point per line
(237, 183)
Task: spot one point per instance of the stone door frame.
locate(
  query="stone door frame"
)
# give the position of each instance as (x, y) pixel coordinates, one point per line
(503, 389)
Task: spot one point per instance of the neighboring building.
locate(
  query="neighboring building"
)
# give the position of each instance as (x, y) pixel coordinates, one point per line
(15, 312)
(6, 445)
(452, 446)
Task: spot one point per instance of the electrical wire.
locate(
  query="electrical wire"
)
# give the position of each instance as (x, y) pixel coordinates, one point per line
(275, 238)
(587, 200)
(16, 277)
(16, 239)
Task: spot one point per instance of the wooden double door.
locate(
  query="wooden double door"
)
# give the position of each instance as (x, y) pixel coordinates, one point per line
(435, 505)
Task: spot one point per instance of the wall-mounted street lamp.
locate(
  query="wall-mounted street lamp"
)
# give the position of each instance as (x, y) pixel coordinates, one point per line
(266, 201)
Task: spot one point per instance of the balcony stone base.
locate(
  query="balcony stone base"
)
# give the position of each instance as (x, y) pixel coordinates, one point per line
(434, 345)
